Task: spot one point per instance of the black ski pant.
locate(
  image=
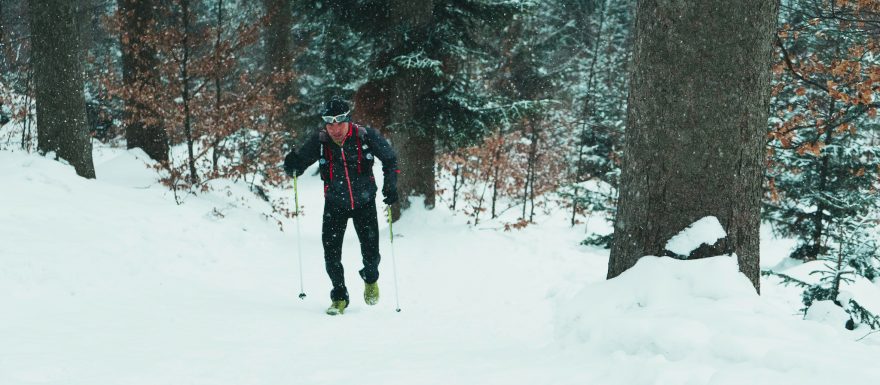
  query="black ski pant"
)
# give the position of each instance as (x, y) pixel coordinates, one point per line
(367, 228)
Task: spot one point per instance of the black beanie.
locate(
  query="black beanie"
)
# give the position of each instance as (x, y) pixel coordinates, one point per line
(335, 106)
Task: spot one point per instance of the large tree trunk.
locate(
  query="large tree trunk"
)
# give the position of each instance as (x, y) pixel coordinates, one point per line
(279, 52)
(61, 106)
(85, 10)
(139, 70)
(3, 66)
(415, 146)
(278, 45)
(697, 118)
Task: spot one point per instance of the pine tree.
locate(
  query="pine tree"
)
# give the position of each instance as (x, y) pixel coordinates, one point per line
(598, 87)
(333, 43)
(558, 89)
(422, 86)
(823, 154)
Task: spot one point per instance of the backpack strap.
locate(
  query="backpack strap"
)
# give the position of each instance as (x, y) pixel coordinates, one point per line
(358, 142)
(359, 138)
(326, 154)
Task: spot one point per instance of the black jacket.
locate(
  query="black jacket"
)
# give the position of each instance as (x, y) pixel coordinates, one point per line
(347, 170)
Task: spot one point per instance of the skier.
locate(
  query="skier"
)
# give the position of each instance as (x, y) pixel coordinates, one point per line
(345, 152)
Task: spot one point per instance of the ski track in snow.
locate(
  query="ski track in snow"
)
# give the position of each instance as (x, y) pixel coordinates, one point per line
(109, 282)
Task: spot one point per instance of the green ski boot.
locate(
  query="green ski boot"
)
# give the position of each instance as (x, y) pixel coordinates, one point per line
(337, 307)
(371, 293)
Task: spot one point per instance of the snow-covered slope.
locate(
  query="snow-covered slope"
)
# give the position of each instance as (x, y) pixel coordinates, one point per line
(109, 282)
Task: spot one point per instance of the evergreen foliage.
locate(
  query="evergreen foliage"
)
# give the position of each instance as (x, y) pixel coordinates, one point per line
(351, 43)
(331, 55)
(597, 86)
(823, 152)
(828, 289)
(453, 59)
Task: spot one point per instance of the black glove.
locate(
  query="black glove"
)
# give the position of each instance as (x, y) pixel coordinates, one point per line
(289, 168)
(291, 171)
(390, 193)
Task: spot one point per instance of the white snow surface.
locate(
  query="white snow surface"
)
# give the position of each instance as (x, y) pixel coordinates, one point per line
(109, 282)
(706, 230)
(701, 322)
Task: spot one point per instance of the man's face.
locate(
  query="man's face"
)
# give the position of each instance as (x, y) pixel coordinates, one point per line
(337, 131)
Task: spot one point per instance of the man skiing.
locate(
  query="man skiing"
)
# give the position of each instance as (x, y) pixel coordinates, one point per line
(345, 152)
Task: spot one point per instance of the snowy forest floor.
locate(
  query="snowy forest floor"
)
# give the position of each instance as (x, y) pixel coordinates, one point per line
(108, 281)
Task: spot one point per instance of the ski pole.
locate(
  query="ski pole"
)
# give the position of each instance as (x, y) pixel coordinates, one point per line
(393, 262)
(302, 292)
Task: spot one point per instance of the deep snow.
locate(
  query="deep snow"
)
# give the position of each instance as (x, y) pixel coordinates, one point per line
(108, 281)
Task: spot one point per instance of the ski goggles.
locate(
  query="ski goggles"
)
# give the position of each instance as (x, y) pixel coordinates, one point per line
(336, 119)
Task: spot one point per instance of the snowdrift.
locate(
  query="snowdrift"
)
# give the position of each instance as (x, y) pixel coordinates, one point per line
(701, 322)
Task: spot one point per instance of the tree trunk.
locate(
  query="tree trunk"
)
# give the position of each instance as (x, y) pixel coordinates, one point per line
(531, 176)
(824, 171)
(496, 169)
(459, 170)
(279, 53)
(415, 146)
(218, 91)
(139, 71)
(415, 155)
(27, 135)
(85, 9)
(58, 75)
(185, 94)
(587, 113)
(3, 66)
(696, 125)
(278, 44)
